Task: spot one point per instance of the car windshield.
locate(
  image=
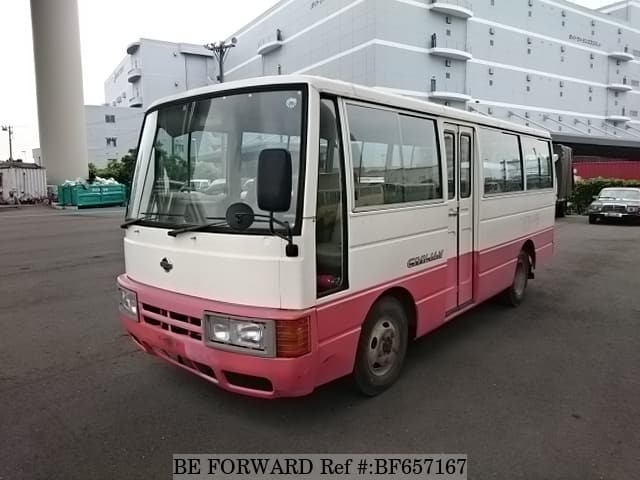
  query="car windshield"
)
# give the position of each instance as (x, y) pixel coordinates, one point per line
(197, 158)
(619, 194)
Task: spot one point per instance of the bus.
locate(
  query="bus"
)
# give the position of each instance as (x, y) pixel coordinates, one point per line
(348, 221)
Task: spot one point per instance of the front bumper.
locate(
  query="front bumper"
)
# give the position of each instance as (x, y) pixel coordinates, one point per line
(178, 340)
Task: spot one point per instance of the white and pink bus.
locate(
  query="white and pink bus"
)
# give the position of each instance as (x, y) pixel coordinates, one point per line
(331, 224)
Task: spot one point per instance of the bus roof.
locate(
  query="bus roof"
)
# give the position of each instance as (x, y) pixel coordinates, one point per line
(359, 92)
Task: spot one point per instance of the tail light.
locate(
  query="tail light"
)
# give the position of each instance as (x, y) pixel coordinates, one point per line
(292, 338)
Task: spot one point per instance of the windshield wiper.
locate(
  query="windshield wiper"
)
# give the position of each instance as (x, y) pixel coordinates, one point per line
(220, 221)
(147, 216)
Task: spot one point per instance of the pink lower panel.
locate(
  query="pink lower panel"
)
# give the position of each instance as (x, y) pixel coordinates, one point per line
(495, 266)
(427, 290)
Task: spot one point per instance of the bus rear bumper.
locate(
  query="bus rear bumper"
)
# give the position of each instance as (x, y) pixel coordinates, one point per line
(240, 373)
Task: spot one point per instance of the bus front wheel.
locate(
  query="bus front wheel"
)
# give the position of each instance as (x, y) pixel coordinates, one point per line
(514, 295)
(382, 347)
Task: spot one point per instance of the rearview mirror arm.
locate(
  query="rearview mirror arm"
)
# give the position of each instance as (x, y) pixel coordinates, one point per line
(291, 250)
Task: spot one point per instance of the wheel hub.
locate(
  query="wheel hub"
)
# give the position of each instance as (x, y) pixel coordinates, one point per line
(384, 344)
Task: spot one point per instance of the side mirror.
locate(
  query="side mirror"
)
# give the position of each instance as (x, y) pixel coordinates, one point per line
(274, 180)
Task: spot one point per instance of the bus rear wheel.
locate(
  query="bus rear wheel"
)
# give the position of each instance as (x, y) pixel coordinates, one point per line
(382, 347)
(514, 295)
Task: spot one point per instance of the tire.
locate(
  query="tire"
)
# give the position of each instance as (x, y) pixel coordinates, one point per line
(514, 295)
(561, 208)
(382, 347)
(592, 219)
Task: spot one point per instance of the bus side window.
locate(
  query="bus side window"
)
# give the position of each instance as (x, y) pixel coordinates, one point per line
(330, 230)
(449, 149)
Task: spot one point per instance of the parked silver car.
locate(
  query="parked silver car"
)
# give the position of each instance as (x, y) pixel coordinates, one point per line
(615, 203)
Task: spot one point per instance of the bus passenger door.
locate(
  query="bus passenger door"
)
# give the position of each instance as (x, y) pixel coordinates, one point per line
(458, 146)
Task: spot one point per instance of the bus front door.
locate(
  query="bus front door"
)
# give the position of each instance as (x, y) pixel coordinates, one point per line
(459, 145)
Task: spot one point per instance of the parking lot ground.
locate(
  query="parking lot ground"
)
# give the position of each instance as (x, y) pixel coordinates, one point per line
(550, 390)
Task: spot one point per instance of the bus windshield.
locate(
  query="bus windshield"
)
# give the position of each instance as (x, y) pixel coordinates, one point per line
(198, 157)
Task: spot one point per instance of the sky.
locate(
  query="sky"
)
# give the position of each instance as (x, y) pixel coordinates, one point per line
(106, 28)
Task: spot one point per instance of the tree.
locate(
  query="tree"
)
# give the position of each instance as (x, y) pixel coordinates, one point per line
(120, 170)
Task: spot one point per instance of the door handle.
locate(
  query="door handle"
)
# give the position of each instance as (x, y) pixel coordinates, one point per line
(453, 213)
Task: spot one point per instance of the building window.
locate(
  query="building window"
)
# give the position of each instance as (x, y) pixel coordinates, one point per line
(563, 23)
(110, 119)
(448, 75)
(491, 83)
(561, 94)
(530, 13)
(447, 63)
(491, 43)
(448, 32)
(112, 142)
(448, 20)
(528, 88)
(492, 31)
(592, 66)
(493, 3)
(501, 161)
(633, 113)
(528, 51)
(562, 58)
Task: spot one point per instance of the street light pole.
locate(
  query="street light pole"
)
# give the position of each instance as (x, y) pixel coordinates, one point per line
(220, 51)
(9, 129)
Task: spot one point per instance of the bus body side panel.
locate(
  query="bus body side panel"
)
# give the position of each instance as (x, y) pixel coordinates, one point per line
(408, 245)
(506, 223)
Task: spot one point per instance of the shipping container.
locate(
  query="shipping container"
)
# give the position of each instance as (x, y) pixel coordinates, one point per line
(22, 182)
(593, 167)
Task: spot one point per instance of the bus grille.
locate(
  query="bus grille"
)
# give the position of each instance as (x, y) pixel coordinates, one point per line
(174, 322)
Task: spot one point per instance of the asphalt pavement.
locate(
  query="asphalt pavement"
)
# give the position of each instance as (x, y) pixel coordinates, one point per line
(550, 390)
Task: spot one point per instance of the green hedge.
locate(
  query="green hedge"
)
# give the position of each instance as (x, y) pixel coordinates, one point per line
(585, 190)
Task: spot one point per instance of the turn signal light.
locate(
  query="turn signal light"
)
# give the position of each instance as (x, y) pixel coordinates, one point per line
(292, 338)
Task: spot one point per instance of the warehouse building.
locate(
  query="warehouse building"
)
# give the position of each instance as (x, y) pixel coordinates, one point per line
(544, 63)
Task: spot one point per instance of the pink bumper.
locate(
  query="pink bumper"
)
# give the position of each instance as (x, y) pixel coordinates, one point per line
(170, 328)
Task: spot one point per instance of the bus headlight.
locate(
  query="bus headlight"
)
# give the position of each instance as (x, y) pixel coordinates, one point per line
(632, 209)
(129, 303)
(231, 333)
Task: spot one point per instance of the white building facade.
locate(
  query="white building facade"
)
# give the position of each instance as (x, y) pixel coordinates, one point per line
(152, 69)
(545, 63)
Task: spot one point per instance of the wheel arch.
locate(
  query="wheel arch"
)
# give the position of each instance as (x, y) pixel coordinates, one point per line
(530, 249)
(408, 304)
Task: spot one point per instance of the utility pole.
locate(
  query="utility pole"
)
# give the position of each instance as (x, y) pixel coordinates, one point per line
(9, 129)
(220, 51)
